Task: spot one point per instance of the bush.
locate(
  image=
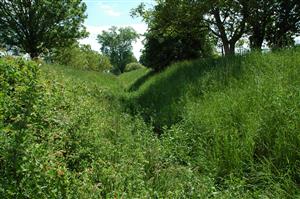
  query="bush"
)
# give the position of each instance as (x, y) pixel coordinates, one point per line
(19, 94)
(83, 58)
(133, 66)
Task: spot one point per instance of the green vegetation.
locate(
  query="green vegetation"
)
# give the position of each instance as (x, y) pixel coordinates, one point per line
(36, 27)
(176, 32)
(117, 45)
(210, 128)
(205, 127)
(133, 66)
(185, 30)
(235, 118)
(80, 57)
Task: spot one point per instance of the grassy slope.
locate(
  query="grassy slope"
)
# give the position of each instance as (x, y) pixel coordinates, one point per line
(130, 78)
(106, 81)
(232, 132)
(230, 117)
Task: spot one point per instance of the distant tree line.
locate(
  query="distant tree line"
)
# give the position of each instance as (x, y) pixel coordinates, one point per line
(185, 29)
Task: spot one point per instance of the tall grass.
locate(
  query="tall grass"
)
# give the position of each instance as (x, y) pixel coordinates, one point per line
(235, 118)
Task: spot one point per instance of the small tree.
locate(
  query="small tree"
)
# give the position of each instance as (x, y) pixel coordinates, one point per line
(117, 45)
(38, 26)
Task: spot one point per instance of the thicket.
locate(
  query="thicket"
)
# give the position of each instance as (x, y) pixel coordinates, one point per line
(176, 32)
(133, 66)
(80, 57)
(64, 137)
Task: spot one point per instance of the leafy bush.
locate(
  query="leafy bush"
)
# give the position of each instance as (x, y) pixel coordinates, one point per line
(18, 100)
(72, 140)
(133, 66)
(81, 58)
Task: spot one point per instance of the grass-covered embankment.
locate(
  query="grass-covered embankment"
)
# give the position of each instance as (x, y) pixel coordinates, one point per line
(235, 118)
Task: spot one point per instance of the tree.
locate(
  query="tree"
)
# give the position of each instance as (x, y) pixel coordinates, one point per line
(258, 22)
(276, 21)
(176, 31)
(117, 45)
(285, 24)
(227, 21)
(40, 25)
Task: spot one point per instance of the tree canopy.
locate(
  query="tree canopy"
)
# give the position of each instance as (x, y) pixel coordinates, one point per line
(227, 21)
(184, 29)
(176, 31)
(38, 26)
(284, 23)
(117, 45)
(274, 21)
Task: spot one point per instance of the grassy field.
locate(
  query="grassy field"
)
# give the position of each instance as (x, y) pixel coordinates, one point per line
(213, 128)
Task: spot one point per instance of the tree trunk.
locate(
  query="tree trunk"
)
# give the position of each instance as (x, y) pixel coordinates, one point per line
(229, 48)
(226, 47)
(256, 41)
(232, 49)
(34, 55)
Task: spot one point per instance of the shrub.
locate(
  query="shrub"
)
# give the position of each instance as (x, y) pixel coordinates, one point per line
(133, 66)
(19, 94)
(83, 58)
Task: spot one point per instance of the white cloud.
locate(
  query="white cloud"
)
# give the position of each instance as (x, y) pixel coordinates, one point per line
(95, 30)
(107, 9)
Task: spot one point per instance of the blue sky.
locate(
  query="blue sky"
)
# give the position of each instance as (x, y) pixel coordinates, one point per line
(102, 14)
(112, 12)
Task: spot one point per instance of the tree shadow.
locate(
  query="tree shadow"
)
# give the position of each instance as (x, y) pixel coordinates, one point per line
(140, 81)
(162, 102)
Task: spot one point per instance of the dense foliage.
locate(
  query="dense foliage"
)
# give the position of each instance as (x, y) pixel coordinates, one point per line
(80, 57)
(215, 127)
(64, 137)
(117, 45)
(184, 30)
(38, 26)
(177, 29)
(235, 118)
(285, 24)
(133, 66)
